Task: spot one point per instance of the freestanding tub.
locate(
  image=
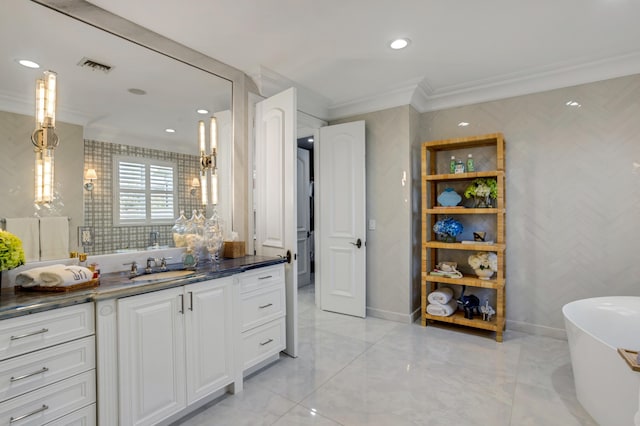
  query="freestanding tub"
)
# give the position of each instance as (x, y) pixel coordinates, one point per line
(605, 385)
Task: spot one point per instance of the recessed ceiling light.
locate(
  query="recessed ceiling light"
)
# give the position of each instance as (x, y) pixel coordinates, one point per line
(135, 91)
(463, 124)
(170, 130)
(202, 111)
(310, 140)
(399, 43)
(29, 64)
(573, 104)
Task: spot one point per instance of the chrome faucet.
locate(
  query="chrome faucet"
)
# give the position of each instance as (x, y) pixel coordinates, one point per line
(153, 238)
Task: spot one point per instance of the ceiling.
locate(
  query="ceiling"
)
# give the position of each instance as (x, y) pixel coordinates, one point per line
(461, 51)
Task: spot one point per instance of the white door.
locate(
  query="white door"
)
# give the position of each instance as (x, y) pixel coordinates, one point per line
(275, 194)
(151, 356)
(304, 215)
(341, 218)
(209, 343)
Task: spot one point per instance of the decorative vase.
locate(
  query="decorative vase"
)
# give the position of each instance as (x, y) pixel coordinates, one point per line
(448, 238)
(483, 274)
(482, 202)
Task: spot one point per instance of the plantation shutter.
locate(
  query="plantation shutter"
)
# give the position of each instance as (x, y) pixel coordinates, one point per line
(161, 192)
(132, 197)
(145, 192)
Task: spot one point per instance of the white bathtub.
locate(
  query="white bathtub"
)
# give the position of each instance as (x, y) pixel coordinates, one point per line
(605, 385)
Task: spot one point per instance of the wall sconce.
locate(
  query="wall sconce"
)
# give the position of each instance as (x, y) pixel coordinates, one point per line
(44, 138)
(90, 175)
(195, 184)
(208, 162)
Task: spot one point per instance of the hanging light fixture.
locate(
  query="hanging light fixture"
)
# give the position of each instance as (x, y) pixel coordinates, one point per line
(208, 162)
(44, 138)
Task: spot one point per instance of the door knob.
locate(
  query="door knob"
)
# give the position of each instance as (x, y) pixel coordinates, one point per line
(358, 243)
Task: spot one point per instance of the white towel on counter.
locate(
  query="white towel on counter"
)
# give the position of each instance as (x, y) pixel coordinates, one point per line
(54, 237)
(445, 310)
(442, 296)
(31, 277)
(66, 276)
(28, 230)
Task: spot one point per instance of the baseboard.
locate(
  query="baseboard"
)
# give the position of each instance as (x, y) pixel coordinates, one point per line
(391, 316)
(538, 330)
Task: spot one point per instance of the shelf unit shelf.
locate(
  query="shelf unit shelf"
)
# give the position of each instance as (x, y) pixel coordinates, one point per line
(469, 280)
(434, 251)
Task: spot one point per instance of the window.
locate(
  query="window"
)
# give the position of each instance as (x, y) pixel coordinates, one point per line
(144, 191)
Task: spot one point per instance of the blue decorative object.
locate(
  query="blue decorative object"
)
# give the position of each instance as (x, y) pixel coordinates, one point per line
(449, 198)
(448, 229)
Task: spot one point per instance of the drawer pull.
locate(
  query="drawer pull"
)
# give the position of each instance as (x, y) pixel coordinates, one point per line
(35, 373)
(266, 342)
(265, 306)
(24, 416)
(22, 336)
(265, 278)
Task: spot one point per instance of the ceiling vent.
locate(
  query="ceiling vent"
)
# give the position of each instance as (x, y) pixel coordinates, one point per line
(93, 65)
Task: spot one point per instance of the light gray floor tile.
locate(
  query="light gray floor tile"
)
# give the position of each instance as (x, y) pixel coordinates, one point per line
(254, 406)
(353, 371)
(301, 416)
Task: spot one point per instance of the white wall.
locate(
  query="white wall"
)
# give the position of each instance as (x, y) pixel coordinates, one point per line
(388, 155)
(572, 194)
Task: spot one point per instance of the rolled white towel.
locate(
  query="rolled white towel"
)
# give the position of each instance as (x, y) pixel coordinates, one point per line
(31, 277)
(66, 276)
(442, 296)
(440, 310)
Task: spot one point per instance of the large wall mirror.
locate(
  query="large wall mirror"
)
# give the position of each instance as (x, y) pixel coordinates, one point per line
(103, 114)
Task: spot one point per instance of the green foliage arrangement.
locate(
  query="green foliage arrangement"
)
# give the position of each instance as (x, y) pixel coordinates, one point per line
(11, 252)
(481, 187)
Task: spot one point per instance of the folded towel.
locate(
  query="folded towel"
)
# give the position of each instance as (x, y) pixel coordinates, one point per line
(31, 277)
(442, 310)
(28, 230)
(442, 296)
(62, 277)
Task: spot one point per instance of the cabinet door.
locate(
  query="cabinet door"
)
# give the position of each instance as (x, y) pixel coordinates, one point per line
(151, 356)
(208, 337)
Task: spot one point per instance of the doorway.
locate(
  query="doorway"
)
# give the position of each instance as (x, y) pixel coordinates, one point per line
(305, 199)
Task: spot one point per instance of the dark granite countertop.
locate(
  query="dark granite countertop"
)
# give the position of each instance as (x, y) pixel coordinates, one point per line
(119, 284)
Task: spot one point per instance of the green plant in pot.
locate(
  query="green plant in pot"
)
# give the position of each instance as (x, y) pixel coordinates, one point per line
(483, 190)
(11, 252)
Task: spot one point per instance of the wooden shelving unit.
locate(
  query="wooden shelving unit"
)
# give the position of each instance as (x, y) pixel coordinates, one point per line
(433, 179)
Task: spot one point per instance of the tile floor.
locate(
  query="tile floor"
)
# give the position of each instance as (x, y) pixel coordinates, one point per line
(354, 371)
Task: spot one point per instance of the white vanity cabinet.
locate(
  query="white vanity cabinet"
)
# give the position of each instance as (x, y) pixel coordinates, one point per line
(175, 347)
(47, 368)
(262, 314)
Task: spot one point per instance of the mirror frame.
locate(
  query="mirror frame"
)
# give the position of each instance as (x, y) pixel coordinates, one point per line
(99, 18)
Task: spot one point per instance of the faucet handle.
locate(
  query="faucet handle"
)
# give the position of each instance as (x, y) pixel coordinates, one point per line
(163, 263)
(134, 268)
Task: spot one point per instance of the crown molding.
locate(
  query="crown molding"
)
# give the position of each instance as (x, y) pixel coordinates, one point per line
(423, 97)
(395, 97)
(270, 82)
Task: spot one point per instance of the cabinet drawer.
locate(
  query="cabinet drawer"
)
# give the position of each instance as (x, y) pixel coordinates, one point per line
(37, 369)
(262, 342)
(36, 331)
(254, 279)
(51, 402)
(261, 306)
(83, 417)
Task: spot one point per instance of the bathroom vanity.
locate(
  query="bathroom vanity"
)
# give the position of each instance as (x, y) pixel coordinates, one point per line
(157, 350)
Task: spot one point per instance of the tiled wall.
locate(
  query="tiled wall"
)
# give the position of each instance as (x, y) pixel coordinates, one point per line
(98, 207)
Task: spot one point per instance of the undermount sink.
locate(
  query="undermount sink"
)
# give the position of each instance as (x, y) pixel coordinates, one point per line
(162, 276)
